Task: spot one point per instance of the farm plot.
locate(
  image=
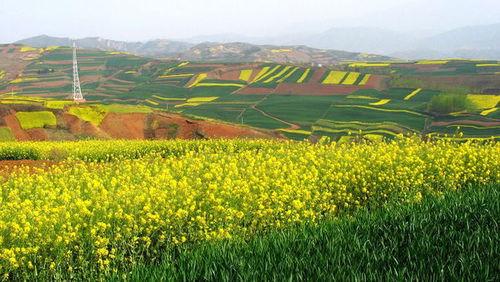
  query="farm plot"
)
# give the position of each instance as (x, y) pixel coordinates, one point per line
(300, 110)
(36, 119)
(409, 120)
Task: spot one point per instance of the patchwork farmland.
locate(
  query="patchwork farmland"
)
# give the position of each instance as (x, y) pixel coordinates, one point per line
(368, 100)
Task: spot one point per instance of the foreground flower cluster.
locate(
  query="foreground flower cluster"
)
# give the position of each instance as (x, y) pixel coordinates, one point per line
(149, 196)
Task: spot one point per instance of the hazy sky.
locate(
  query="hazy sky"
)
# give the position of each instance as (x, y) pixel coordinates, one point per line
(148, 19)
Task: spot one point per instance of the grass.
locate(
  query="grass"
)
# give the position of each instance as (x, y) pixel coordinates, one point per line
(39, 119)
(92, 114)
(125, 109)
(6, 134)
(58, 105)
(454, 237)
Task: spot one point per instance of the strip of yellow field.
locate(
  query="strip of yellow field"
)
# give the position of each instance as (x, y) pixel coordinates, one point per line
(269, 73)
(432, 62)
(245, 75)
(296, 131)
(380, 109)
(351, 78)
(334, 77)
(412, 94)
(365, 79)
(202, 99)
(279, 74)
(207, 84)
(262, 72)
(176, 75)
(488, 65)
(187, 105)
(304, 76)
(487, 112)
(381, 102)
(364, 65)
(198, 79)
(23, 79)
(152, 102)
(168, 98)
(361, 97)
(290, 73)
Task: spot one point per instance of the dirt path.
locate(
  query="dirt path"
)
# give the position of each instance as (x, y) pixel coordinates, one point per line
(292, 126)
(16, 129)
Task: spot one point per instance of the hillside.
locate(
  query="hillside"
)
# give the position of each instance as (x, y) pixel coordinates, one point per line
(218, 52)
(27, 119)
(346, 101)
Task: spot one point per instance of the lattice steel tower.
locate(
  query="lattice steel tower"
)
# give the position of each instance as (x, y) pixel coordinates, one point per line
(77, 90)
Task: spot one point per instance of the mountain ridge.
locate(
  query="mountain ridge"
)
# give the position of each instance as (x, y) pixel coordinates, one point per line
(210, 51)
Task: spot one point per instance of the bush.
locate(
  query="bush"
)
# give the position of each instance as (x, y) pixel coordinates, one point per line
(449, 102)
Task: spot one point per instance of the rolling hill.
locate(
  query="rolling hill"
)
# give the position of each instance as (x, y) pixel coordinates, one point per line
(346, 101)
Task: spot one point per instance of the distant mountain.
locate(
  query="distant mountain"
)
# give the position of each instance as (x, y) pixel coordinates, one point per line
(208, 51)
(245, 52)
(153, 48)
(469, 42)
(359, 39)
(481, 42)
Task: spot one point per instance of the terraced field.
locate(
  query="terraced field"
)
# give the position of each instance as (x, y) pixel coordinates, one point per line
(348, 101)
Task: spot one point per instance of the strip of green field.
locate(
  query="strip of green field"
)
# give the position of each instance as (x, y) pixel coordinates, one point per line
(298, 109)
(357, 113)
(390, 128)
(393, 243)
(255, 118)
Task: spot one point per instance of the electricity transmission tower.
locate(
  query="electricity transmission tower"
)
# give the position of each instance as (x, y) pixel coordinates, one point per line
(77, 90)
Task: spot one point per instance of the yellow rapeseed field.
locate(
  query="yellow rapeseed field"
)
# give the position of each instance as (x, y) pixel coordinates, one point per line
(380, 102)
(351, 78)
(198, 79)
(334, 77)
(365, 79)
(489, 111)
(245, 75)
(304, 76)
(480, 101)
(23, 79)
(279, 74)
(432, 62)
(365, 65)
(110, 203)
(413, 93)
(261, 73)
